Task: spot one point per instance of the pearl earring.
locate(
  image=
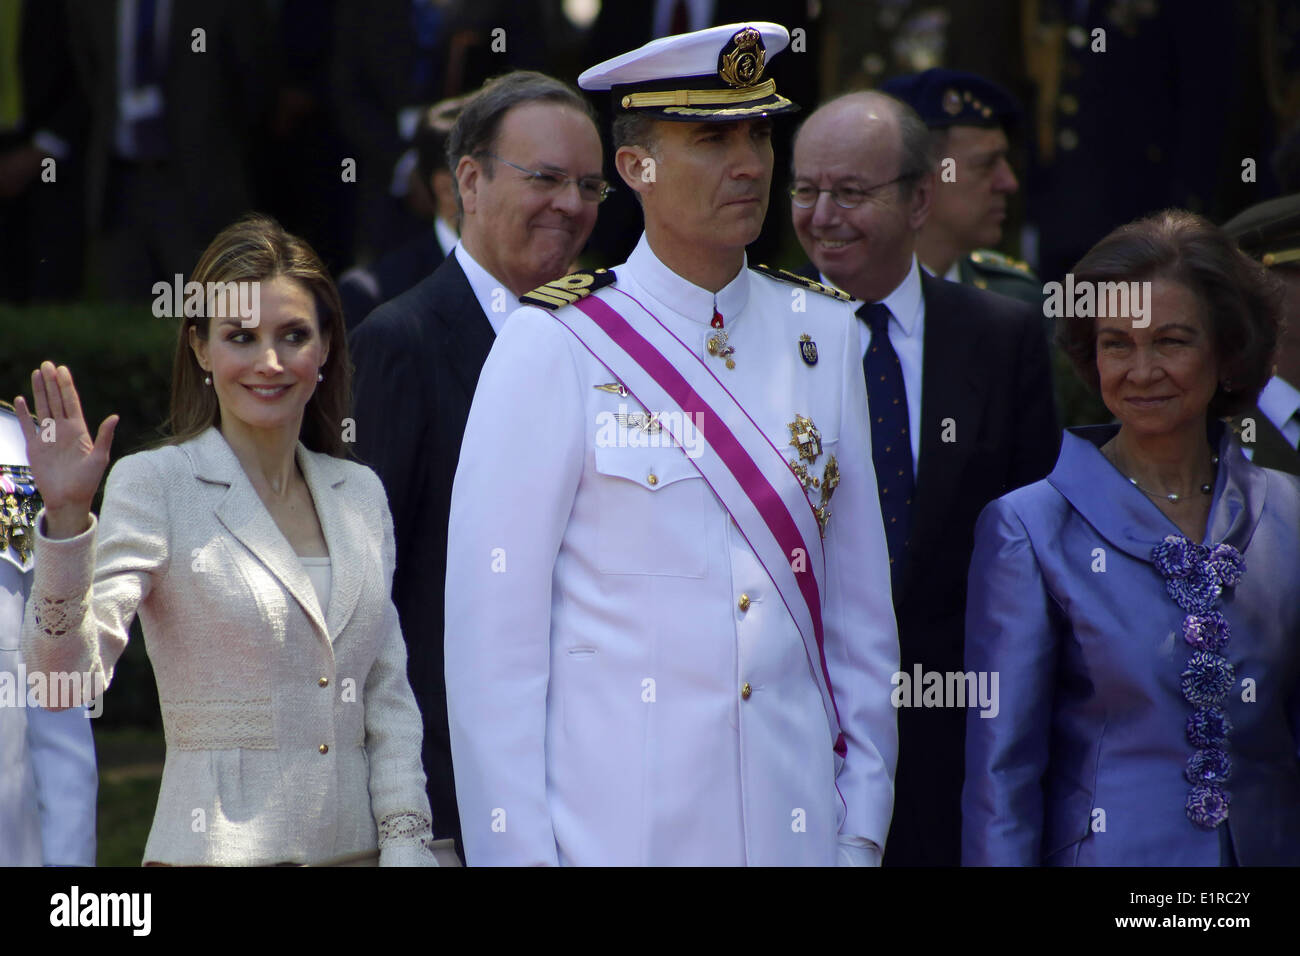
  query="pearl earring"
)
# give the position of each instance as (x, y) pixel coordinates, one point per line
(207, 379)
(320, 376)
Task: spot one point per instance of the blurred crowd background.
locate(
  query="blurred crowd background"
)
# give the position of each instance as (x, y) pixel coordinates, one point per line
(264, 109)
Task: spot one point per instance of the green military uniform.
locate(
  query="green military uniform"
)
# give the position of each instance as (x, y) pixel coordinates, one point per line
(986, 269)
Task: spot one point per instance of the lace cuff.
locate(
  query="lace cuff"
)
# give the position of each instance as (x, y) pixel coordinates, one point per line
(405, 826)
(56, 617)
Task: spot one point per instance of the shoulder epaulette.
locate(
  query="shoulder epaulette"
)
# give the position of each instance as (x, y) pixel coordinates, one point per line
(569, 289)
(987, 260)
(784, 275)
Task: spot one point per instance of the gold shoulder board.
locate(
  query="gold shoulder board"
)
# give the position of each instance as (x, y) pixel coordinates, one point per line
(571, 288)
(784, 275)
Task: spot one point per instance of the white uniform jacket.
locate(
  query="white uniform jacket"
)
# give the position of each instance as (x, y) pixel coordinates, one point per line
(292, 732)
(48, 778)
(624, 683)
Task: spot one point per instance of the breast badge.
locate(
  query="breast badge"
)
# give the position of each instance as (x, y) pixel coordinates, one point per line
(807, 349)
(806, 439)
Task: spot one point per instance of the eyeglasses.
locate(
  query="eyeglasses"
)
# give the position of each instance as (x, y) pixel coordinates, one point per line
(805, 196)
(589, 188)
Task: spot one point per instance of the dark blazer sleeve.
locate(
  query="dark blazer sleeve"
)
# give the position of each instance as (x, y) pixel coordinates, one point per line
(388, 399)
(1038, 437)
(1010, 631)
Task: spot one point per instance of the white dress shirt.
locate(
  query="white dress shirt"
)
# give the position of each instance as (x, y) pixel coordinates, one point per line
(445, 233)
(496, 301)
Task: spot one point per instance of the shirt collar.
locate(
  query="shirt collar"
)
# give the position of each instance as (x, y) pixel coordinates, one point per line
(904, 303)
(683, 297)
(484, 287)
(445, 236)
(1279, 401)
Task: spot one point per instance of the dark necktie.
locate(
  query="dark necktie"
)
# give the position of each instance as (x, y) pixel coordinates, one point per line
(891, 443)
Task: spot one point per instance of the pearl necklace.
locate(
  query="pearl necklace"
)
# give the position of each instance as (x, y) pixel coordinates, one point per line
(1206, 488)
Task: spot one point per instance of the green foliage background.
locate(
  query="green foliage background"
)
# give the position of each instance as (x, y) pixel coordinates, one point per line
(121, 359)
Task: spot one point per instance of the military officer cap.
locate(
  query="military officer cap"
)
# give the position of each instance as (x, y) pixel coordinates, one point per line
(713, 75)
(945, 98)
(1269, 231)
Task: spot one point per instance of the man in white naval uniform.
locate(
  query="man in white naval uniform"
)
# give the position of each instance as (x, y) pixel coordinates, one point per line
(631, 678)
(48, 779)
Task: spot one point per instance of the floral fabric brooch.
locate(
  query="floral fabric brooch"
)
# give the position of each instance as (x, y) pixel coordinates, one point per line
(1195, 577)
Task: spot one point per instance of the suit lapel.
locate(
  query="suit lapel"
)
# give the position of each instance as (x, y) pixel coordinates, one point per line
(242, 513)
(951, 388)
(1272, 450)
(469, 334)
(345, 530)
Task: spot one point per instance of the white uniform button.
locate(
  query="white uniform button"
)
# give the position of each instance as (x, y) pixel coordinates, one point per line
(653, 479)
(324, 682)
(745, 691)
(325, 748)
(743, 603)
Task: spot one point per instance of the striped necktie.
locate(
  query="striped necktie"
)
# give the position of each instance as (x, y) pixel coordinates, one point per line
(891, 444)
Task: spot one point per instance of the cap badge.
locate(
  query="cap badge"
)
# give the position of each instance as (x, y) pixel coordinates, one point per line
(951, 102)
(741, 62)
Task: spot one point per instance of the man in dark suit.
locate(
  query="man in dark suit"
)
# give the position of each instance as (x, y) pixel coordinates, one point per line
(175, 91)
(527, 164)
(1270, 432)
(960, 394)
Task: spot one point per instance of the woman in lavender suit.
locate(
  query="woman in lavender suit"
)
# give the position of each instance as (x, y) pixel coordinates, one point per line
(1142, 603)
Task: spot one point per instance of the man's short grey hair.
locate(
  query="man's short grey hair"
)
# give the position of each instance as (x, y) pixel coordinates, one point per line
(917, 154)
(479, 123)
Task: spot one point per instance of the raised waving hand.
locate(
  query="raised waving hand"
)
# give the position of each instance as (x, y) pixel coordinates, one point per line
(66, 463)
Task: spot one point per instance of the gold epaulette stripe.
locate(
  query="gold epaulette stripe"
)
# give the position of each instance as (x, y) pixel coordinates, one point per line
(784, 275)
(569, 289)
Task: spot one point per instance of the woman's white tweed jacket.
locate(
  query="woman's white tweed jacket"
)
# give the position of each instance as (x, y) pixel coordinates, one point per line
(292, 734)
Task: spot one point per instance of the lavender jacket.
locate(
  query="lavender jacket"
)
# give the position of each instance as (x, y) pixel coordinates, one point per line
(1093, 756)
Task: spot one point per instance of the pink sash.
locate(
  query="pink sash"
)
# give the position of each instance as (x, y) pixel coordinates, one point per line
(745, 470)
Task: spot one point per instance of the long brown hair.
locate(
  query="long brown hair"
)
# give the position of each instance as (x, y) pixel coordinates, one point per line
(257, 248)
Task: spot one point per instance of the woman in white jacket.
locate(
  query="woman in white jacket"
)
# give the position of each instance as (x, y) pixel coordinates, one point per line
(260, 561)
